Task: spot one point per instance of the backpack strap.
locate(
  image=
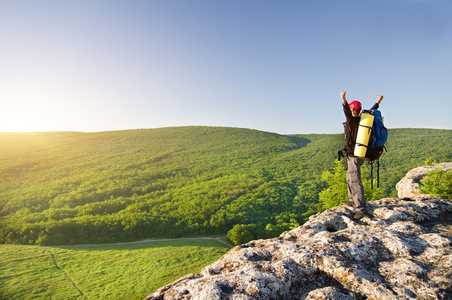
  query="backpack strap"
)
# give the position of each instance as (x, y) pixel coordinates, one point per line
(378, 173)
(371, 163)
(341, 152)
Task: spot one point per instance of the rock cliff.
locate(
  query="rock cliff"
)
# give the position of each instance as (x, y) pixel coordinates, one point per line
(404, 251)
(409, 185)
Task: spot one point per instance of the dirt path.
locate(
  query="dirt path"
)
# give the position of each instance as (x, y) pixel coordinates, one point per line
(218, 239)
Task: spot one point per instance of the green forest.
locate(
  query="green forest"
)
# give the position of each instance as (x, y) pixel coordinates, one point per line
(62, 188)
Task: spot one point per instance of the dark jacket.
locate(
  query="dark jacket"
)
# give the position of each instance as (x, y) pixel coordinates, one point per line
(351, 128)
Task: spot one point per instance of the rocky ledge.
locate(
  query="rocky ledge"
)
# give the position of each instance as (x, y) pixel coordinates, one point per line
(410, 184)
(403, 251)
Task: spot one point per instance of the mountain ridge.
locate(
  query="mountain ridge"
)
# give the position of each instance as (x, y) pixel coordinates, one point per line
(73, 188)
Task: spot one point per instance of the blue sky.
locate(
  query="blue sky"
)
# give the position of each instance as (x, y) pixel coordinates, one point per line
(275, 66)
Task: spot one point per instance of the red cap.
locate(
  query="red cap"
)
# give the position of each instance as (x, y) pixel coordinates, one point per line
(356, 105)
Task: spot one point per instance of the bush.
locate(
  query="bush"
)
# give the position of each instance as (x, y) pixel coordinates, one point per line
(438, 183)
(430, 161)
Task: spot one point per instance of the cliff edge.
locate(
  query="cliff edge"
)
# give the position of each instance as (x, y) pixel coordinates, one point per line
(404, 251)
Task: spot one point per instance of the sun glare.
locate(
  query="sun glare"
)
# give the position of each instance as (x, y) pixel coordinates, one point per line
(16, 121)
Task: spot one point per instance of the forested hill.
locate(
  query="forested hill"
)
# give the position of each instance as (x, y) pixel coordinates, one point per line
(70, 187)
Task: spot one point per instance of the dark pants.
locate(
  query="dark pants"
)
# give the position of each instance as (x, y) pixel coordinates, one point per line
(354, 184)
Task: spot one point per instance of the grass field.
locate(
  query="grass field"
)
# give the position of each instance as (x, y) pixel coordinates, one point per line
(117, 271)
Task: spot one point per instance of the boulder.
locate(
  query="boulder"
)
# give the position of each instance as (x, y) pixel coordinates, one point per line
(409, 186)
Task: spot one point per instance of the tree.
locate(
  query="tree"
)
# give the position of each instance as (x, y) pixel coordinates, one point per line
(336, 193)
(240, 234)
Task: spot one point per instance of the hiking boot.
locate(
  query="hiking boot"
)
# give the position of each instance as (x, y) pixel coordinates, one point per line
(360, 215)
(349, 203)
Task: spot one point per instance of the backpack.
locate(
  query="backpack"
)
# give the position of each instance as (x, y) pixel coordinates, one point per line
(378, 136)
(377, 141)
(376, 145)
